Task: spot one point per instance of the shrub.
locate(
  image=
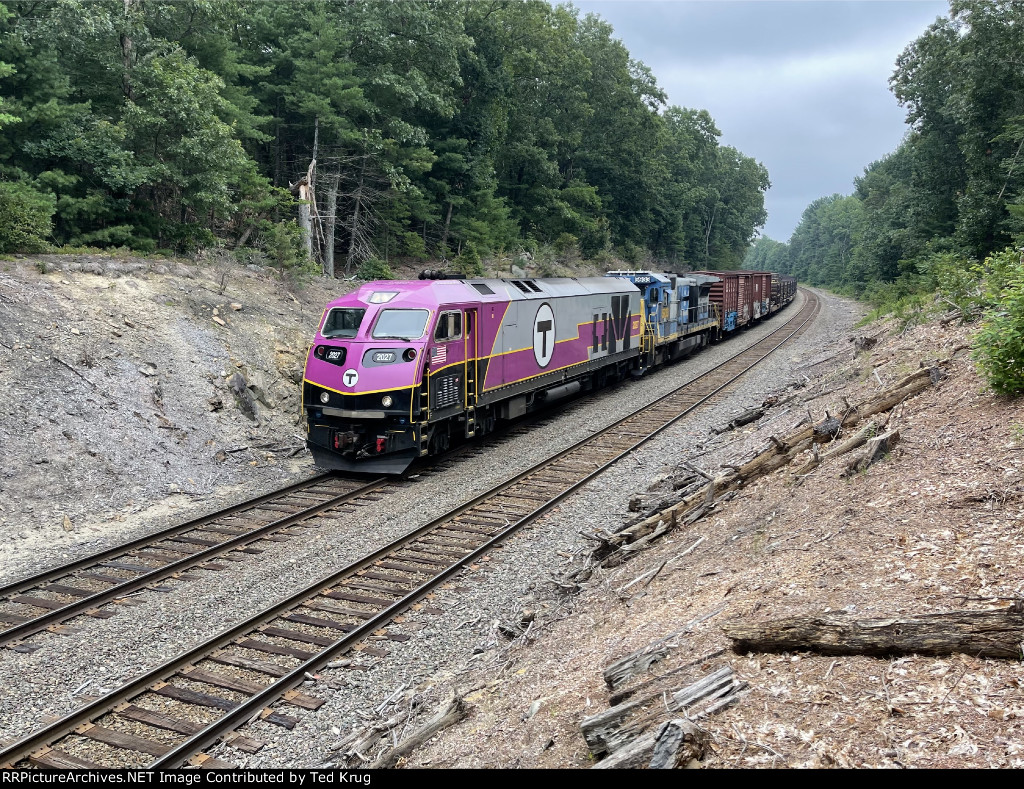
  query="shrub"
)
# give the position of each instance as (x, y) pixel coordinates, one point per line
(566, 243)
(373, 269)
(282, 242)
(468, 262)
(957, 279)
(999, 343)
(414, 246)
(25, 218)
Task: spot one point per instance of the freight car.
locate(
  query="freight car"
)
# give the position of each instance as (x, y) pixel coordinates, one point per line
(783, 290)
(743, 297)
(399, 370)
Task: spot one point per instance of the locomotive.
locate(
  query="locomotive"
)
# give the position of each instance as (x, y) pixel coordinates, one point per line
(402, 369)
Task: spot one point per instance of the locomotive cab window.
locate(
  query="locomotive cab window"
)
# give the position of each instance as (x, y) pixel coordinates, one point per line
(342, 323)
(449, 327)
(400, 324)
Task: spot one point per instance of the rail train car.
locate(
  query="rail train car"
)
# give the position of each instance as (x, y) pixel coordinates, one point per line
(741, 296)
(783, 290)
(399, 369)
(678, 315)
(760, 292)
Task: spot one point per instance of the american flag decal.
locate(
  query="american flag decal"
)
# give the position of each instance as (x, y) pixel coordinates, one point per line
(438, 355)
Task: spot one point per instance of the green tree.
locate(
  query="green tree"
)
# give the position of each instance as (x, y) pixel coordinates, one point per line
(24, 218)
(963, 86)
(6, 69)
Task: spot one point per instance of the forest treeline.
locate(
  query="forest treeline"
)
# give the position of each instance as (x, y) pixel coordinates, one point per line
(938, 224)
(951, 194)
(427, 128)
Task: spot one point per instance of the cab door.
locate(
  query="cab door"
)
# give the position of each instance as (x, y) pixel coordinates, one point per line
(471, 347)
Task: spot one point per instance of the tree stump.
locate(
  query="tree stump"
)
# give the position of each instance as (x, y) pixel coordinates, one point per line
(877, 449)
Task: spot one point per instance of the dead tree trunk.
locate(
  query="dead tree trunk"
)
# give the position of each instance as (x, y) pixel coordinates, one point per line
(447, 224)
(127, 51)
(677, 742)
(627, 732)
(356, 218)
(329, 221)
(994, 634)
(305, 224)
(306, 202)
(672, 744)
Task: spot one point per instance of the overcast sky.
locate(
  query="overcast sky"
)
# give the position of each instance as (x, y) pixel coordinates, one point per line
(802, 87)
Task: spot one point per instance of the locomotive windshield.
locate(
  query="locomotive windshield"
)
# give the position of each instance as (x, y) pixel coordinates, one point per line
(343, 322)
(400, 324)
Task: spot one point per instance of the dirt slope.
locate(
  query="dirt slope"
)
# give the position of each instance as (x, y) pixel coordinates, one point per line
(937, 526)
(133, 391)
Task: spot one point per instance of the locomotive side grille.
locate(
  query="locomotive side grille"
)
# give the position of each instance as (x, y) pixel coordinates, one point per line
(447, 391)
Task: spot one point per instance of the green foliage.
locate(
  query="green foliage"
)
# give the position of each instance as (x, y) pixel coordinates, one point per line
(282, 243)
(6, 69)
(415, 246)
(567, 245)
(546, 263)
(631, 253)
(605, 260)
(468, 262)
(999, 343)
(374, 269)
(956, 279)
(175, 125)
(25, 218)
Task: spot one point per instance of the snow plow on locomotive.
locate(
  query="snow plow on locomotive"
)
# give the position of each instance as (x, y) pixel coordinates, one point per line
(403, 369)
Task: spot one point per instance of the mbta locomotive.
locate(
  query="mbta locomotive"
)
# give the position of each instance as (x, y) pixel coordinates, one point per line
(401, 369)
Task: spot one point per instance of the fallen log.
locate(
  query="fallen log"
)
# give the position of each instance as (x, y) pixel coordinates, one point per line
(858, 439)
(780, 453)
(618, 727)
(674, 743)
(623, 669)
(450, 711)
(649, 683)
(677, 742)
(361, 742)
(743, 419)
(997, 633)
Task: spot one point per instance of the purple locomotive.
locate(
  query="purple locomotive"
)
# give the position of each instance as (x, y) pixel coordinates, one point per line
(400, 369)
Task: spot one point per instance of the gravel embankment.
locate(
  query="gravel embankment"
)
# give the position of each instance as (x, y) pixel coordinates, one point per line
(107, 652)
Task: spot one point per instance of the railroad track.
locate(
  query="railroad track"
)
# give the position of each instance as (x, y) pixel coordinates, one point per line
(42, 601)
(168, 717)
(88, 586)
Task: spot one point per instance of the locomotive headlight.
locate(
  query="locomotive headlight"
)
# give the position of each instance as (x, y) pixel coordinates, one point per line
(386, 401)
(324, 397)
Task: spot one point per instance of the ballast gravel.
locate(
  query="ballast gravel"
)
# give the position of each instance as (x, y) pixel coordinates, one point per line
(462, 630)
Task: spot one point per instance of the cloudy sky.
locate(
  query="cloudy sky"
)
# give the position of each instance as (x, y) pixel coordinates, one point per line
(800, 86)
